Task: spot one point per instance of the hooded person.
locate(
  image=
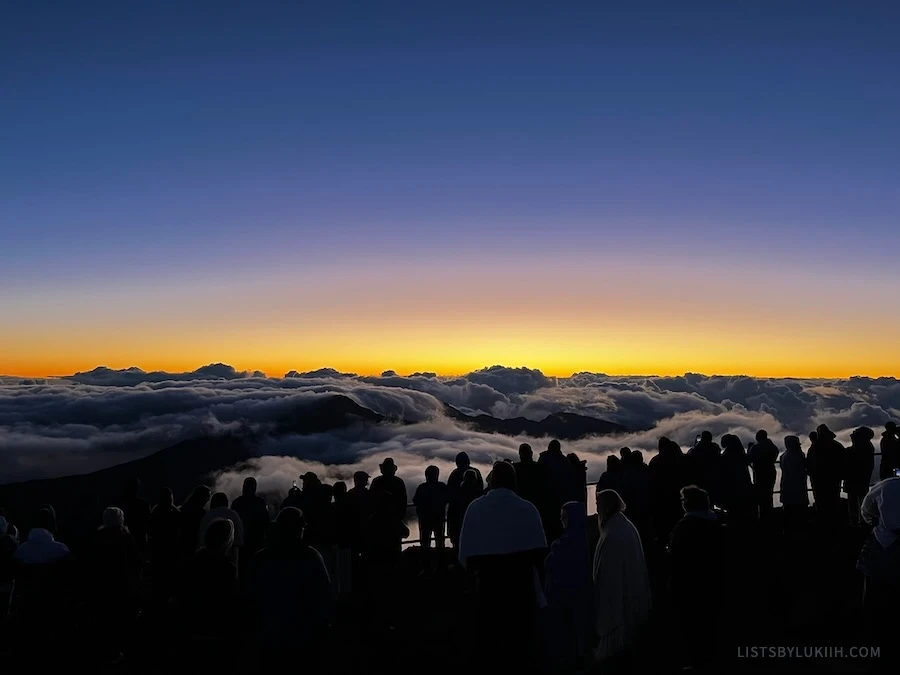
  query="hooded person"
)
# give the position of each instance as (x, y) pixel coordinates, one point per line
(621, 581)
(737, 497)
(569, 588)
(762, 458)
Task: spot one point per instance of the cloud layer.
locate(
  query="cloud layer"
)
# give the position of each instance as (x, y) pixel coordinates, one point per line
(103, 417)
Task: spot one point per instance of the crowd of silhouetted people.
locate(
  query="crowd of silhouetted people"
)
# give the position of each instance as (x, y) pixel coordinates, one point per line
(679, 551)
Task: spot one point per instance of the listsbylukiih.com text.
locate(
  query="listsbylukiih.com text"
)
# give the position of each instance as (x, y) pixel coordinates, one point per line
(808, 652)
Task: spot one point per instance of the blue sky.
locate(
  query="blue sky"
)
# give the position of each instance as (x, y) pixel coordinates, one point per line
(167, 140)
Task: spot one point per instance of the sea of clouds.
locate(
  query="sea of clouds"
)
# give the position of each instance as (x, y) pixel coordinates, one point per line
(103, 417)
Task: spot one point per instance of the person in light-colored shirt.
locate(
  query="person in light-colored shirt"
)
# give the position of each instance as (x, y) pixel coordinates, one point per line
(218, 508)
(881, 509)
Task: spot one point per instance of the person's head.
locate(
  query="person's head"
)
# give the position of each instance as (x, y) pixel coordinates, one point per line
(388, 468)
(635, 458)
(310, 480)
(166, 498)
(219, 501)
(706, 437)
(432, 473)
(694, 498)
(624, 453)
(663, 445)
(890, 427)
(339, 489)
(813, 436)
(219, 536)
(526, 454)
(46, 519)
(289, 524)
(825, 434)
(609, 503)
(862, 435)
(761, 435)
(554, 447)
(249, 488)
(574, 516)
(199, 496)
(360, 479)
(792, 443)
(470, 478)
(132, 487)
(503, 475)
(613, 462)
(462, 461)
(113, 517)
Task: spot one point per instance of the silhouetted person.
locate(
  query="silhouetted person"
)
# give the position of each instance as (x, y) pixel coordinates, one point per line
(667, 473)
(890, 451)
(8, 545)
(210, 586)
(165, 520)
(431, 510)
(114, 569)
(637, 482)
(344, 528)
(389, 483)
(137, 512)
(502, 543)
(470, 490)
(860, 464)
(697, 564)
(41, 546)
(560, 482)
(530, 480)
(737, 494)
(455, 479)
(794, 495)
(703, 465)
(621, 581)
(291, 597)
(569, 590)
(192, 512)
(359, 503)
(762, 458)
(879, 561)
(218, 509)
(254, 514)
(825, 463)
(579, 477)
(315, 504)
(613, 478)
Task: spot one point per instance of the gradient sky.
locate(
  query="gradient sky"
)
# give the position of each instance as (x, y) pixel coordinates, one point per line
(661, 187)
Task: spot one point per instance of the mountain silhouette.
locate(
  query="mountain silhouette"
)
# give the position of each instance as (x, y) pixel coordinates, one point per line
(562, 425)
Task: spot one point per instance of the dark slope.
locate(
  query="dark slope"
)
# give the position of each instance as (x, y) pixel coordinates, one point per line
(564, 426)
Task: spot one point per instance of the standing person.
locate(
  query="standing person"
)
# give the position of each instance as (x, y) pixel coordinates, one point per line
(890, 451)
(254, 515)
(164, 538)
(560, 480)
(390, 484)
(530, 479)
(860, 465)
(431, 510)
(762, 458)
(621, 581)
(192, 512)
(344, 523)
(737, 496)
(703, 465)
(359, 504)
(502, 543)
(291, 597)
(879, 561)
(463, 464)
(825, 462)
(579, 477)
(667, 473)
(137, 512)
(218, 508)
(569, 590)
(210, 586)
(697, 564)
(470, 490)
(794, 493)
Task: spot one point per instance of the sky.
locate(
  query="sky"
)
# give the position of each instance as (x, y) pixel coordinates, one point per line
(613, 187)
